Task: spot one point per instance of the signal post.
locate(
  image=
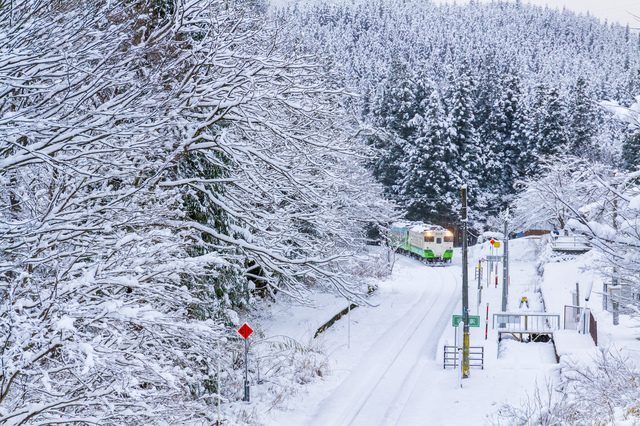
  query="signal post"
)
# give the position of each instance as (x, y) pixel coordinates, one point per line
(465, 289)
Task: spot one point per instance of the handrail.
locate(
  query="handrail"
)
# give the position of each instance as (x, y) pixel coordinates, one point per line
(526, 322)
(453, 353)
(570, 243)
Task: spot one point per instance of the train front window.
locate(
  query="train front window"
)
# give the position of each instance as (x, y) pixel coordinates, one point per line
(448, 239)
(439, 241)
(428, 239)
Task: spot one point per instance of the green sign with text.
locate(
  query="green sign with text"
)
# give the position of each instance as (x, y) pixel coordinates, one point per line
(474, 320)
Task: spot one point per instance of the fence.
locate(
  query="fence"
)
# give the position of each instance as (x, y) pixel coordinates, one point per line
(622, 291)
(581, 319)
(573, 243)
(535, 326)
(451, 354)
(530, 323)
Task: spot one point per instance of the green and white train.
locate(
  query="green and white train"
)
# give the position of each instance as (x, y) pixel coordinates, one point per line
(431, 243)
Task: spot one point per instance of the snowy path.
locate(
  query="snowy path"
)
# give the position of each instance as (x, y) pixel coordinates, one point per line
(394, 361)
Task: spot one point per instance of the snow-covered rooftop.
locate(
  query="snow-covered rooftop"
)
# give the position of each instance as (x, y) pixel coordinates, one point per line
(422, 227)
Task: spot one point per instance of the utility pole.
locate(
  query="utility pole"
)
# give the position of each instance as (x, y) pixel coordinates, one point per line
(505, 265)
(615, 290)
(465, 289)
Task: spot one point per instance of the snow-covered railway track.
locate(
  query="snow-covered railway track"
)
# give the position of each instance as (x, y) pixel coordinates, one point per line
(428, 353)
(376, 390)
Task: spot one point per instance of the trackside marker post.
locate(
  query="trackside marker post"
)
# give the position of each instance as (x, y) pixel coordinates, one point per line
(486, 324)
(461, 354)
(349, 325)
(245, 331)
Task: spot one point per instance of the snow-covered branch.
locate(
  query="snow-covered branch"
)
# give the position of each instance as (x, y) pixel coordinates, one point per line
(156, 157)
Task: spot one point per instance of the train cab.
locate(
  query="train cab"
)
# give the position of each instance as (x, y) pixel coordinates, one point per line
(432, 242)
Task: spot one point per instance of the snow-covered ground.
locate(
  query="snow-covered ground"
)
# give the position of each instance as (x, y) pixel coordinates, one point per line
(391, 372)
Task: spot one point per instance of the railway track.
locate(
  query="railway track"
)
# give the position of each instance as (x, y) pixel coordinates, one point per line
(391, 365)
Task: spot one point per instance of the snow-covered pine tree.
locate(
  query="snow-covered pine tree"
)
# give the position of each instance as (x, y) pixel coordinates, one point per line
(502, 143)
(546, 128)
(583, 122)
(468, 163)
(631, 149)
(394, 110)
(426, 185)
(538, 45)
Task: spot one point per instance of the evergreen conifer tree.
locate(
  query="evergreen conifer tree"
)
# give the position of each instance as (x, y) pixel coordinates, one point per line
(552, 139)
(546, 126)
(427, 173)
(502, 144)
(463, 137)
(582, 127)
(631, 150)
(395, 110)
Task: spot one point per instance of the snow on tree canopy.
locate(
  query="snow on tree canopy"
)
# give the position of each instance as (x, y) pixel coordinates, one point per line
(156, 158)
(474, 94)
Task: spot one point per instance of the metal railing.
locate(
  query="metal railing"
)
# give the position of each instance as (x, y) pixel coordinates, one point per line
(529, 323)
(573, 243)
(574, 318)
(621, 292)
(581, 319)
(452, 354)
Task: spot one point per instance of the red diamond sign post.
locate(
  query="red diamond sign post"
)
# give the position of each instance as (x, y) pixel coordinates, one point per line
(492, 242)
(245, 331)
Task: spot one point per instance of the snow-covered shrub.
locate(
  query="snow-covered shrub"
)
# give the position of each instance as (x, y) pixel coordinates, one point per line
(283, 364)
(604, 392)
(373, 263)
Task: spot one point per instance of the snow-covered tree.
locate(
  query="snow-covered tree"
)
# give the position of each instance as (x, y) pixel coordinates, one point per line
(468, 161)
(394, 110)
(505, 50)
(566, 185)
(548, 127)
(502, 146)
(427, 182)
(584, 120)
(151, 151)
(631, 149)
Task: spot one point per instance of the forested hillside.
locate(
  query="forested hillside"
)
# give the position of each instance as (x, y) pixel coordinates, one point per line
(475, 94)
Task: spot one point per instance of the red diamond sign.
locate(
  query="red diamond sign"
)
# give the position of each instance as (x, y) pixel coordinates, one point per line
(245, 331)
(492, 242)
